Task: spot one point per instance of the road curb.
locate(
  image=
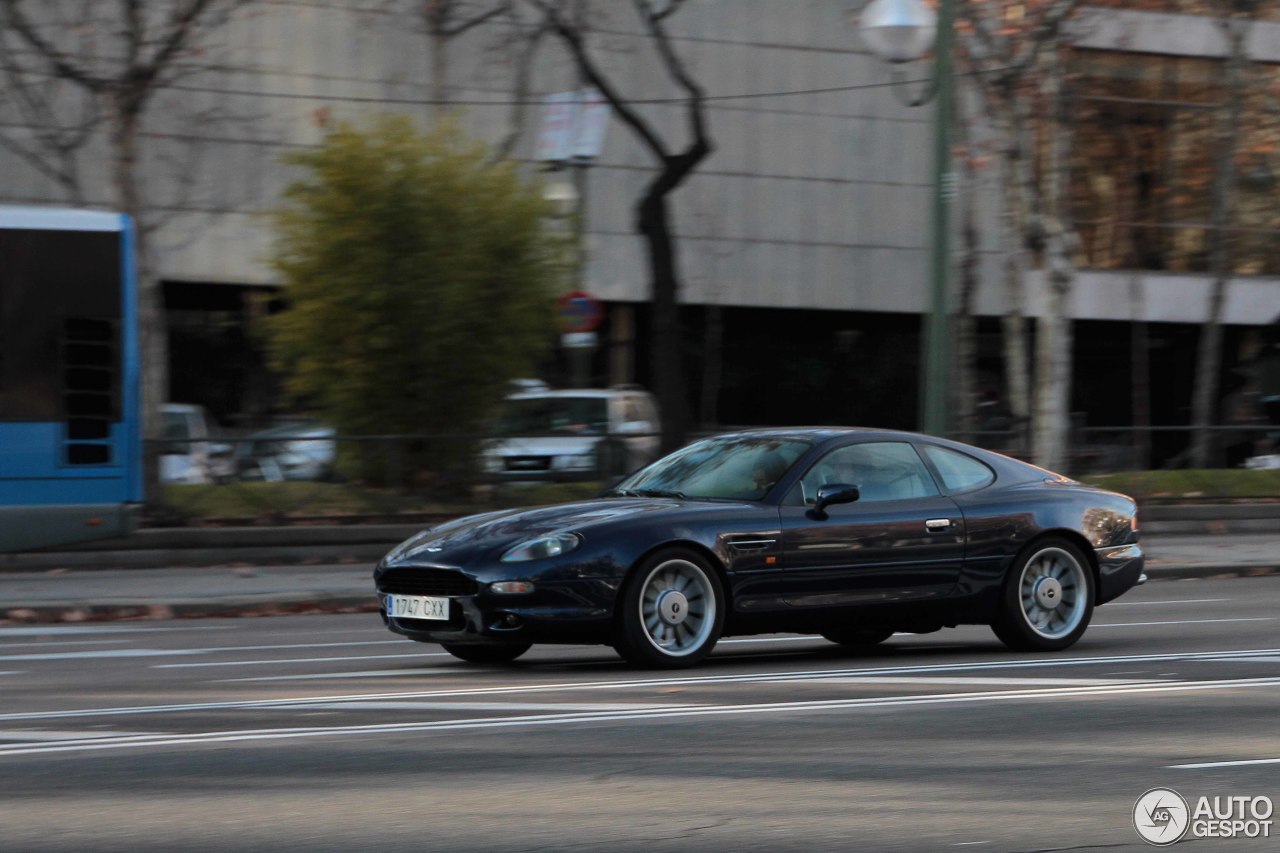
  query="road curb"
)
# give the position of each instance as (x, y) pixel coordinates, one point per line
(1219, 572)
(221, 608)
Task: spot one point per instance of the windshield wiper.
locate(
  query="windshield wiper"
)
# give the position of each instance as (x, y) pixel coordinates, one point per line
(646, 493)
(660, 493)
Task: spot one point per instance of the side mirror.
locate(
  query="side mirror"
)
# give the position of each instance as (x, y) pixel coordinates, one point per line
(833, 493)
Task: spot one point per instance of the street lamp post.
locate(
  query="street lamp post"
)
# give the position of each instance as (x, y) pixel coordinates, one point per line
(902, 31)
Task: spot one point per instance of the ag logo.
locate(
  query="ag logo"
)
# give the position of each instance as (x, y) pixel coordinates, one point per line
(1161, 816)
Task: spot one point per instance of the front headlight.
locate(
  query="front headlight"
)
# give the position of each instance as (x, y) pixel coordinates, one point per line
(579, 462)
(552, 545)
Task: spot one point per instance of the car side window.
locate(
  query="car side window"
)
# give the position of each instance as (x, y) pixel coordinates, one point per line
(960, 472)
(882, 471)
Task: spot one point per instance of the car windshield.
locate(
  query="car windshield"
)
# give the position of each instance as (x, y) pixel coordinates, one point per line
(742, 467)
(554, 416)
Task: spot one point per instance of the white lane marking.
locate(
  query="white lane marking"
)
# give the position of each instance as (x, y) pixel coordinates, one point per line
(13, 672)
(682, 681)
(195, 738)
(103, 653)
(207, 650)
(1271, 659)
(44, 644)
(320, 676)
(39, 736)
(1112, 604)
(296, 660)
(1180, 622)
(574, 707)
(1008, 682)
(1211, 764)
(50, 630)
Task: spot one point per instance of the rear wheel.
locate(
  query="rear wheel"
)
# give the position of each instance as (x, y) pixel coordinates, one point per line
(1047, 600)
(864, 636)
(485, 652)
(671, 611)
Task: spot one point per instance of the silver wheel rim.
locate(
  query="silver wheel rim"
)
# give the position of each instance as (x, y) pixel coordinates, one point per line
(677, 607)
(1053, 592)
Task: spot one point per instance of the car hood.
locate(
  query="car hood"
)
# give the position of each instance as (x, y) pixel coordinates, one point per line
(546, 445)
(465, 538)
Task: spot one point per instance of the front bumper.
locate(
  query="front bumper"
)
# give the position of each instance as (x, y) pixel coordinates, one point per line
(565, 612)
(1119, 570)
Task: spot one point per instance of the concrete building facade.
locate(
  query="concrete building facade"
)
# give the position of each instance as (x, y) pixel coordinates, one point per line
(808, 226)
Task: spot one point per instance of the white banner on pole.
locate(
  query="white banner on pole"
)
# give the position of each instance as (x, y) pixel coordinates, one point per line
(593, 121)
(559, 120)
(573, 126)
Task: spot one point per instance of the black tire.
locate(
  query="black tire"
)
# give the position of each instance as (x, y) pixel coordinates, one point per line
(865, 636)
(1037, 616)
(486, 652)
(654, 605)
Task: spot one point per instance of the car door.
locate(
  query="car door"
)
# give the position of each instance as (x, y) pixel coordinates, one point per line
(902, 540)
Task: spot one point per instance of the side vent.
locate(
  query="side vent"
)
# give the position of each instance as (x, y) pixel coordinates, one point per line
(90, 392)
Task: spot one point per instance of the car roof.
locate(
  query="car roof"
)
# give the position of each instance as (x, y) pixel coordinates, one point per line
(823, 433)
(1007, 468)
(593, 393)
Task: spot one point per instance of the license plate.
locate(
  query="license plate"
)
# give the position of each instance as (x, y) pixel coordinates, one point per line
(417, 607)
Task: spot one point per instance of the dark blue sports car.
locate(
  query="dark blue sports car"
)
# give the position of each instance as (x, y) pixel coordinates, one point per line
(854, 534)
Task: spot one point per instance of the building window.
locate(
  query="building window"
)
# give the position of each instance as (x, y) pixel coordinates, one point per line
(1143, 162)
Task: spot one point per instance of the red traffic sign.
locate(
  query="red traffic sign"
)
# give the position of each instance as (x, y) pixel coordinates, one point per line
(580, 312)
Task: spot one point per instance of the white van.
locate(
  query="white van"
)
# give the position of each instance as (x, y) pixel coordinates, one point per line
(188, 456)
(574, 434)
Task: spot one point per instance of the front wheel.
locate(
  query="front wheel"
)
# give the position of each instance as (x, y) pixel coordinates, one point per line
(671, 611)
(1047, 600)
(486, 653)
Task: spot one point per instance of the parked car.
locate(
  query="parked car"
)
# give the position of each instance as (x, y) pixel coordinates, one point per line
(295, 451)
(578, 434)
(189, 455)
(853, 534)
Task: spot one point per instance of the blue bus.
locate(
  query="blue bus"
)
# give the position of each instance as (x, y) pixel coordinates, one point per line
(70, 428)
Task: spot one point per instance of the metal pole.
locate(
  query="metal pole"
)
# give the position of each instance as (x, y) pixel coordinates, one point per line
(935, 387)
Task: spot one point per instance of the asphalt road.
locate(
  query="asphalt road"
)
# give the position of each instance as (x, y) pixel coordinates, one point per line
(327, 733)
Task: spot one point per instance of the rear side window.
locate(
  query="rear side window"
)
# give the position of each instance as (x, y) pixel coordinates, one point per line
(959, 472)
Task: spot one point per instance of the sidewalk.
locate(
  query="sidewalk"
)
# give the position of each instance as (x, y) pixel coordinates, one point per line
(76, 595)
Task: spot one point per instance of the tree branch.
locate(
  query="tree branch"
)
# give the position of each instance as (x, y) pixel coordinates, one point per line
(443, 29)
(676, 67)
(1044, 32)
(134, 31)
(180, 25)
(60, 63)
(671, 8)
(577, 46)
(523, 74)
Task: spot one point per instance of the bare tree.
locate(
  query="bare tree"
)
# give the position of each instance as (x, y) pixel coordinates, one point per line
(1234, 24)
(965, 326)
(1019, 77)
(140, 47)
(653, 209)
(49, 122)
(446, 20)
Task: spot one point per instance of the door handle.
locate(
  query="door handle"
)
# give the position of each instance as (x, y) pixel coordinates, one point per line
(937, 525)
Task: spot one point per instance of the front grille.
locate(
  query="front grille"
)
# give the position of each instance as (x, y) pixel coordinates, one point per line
(418, 581)
(528, 463)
